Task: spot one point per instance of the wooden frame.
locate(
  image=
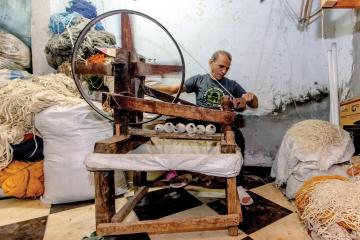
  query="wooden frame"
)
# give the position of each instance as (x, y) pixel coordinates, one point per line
(340, 3)
(108, 222)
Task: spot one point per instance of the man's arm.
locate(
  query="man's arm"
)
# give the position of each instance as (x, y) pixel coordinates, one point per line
(169, 89)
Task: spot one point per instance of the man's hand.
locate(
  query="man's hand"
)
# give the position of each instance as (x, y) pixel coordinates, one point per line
(248, 97)
(239, 103)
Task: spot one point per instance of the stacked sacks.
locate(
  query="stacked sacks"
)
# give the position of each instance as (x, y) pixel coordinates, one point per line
(22, 180)
(310, 148)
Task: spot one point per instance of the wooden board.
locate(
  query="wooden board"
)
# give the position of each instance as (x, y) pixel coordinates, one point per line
(104, 196)
(169, 226)
(340, 3)
(171, 109)
(119, 144)
(126, 209)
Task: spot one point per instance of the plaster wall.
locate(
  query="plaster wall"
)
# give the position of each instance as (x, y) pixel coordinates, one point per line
(13, 22)
(355, 74)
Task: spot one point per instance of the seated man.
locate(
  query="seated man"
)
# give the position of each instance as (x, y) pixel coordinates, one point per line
(210, 89)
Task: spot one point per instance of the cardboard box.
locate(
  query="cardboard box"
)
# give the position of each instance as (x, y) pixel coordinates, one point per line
(350, 112)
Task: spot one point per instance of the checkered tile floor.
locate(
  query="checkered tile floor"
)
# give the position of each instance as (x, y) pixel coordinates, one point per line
(271, 216)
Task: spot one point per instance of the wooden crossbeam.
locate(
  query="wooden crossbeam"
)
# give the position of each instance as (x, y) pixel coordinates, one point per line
(171, 109)
(142, 69)
(94, 68)
(126, 209)
(169, 226)
(138, 69)
(119, 144)
(340, 3)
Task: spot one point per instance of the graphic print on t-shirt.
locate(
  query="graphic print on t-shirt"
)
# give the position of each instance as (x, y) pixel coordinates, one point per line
(213, 96)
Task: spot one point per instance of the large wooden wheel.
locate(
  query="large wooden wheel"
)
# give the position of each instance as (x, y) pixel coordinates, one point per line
(138, 67)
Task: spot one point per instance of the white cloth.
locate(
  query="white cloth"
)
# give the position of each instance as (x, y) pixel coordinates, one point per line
(292, 166)
(289, 160)
(168, 154)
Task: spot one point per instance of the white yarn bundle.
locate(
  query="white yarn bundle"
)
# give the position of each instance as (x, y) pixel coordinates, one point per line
(190, 128)
(200, 129)
(210, 129)
(169, 127)
(312, 135)
(159, 128)
(333, 209)
(21, 99)
(180, 128)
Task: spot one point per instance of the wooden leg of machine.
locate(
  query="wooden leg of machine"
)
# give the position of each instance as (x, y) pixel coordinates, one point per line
(104, 196)
(233, 204)
(126, 209)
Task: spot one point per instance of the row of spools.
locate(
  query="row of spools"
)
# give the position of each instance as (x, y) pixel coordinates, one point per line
(189, 128)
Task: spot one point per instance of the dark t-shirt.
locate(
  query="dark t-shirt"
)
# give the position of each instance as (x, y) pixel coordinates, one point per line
(209, 92)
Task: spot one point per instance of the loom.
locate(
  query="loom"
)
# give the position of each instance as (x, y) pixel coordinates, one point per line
(221, 157)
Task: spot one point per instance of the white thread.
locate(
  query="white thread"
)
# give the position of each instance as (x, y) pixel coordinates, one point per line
(180, 128)
(159, 128)
(200, 129)
(210, 129)
(169, 127)
(190, 128)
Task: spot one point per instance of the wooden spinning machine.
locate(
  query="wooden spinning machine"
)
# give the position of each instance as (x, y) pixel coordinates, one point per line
(128, 104)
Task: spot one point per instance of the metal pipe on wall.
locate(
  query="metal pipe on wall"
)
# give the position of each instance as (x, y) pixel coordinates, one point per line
(333, 85)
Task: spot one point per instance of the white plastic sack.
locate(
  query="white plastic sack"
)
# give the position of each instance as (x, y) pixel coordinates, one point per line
(69, 133)
(289, 160)
(294, 182)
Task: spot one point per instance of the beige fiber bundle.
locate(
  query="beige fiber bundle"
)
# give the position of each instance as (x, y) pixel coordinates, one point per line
(330, 206)
(310, 135)
(20, 100)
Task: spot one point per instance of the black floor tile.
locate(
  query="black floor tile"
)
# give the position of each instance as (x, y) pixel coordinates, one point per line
(253, 181)
(32, 229)
(247, 238)
(164, 202)
(257, 215)
(253, 176)
(219, 206)
(137, 236)
(255, 170)
(67, 206)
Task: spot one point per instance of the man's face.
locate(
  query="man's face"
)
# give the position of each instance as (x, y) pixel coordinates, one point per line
(220, 66)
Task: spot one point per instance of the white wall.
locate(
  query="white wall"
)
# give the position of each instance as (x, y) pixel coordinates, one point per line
(40, 17)
(271, 56)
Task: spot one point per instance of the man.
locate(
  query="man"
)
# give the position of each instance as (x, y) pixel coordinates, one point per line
(210, 89)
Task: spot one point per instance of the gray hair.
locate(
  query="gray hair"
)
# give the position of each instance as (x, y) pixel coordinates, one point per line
(220, 52)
